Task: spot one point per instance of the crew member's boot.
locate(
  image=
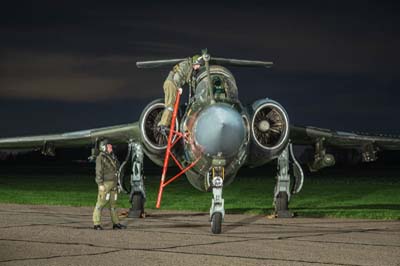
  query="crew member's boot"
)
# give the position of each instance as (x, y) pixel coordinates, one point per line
(119, 226)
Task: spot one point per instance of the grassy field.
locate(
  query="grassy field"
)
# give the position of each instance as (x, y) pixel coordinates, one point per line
(330, 194)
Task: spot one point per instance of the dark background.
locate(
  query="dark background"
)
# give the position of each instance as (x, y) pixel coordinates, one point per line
(71, 65)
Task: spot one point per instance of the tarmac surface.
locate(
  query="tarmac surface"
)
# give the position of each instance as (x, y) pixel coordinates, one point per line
(54, 235)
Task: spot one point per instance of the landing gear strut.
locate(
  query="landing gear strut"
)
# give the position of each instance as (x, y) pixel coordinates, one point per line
(137, 191)
(217, 210)
(138, 194)
(283, 191)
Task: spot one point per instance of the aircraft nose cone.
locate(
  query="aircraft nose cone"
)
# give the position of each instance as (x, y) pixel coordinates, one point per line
(219, 129)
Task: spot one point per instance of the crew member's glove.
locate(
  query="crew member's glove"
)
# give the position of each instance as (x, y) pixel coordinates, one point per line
(102, 188)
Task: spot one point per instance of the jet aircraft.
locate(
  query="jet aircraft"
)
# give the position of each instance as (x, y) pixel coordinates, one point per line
(215, 136)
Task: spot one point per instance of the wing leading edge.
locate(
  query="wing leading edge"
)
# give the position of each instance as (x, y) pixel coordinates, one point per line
(310, 135)
(116, 134)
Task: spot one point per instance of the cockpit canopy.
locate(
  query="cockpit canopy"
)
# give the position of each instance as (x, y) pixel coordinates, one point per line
(222, 82)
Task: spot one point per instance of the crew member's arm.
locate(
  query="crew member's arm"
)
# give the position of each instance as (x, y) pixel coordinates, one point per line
(99, 173)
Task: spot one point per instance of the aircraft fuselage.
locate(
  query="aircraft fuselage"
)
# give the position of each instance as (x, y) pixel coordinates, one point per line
(217, 129)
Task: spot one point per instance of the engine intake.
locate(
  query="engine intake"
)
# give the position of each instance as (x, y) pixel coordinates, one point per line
(270, 126)
(269, 131)
(152, 138)
(154, 143)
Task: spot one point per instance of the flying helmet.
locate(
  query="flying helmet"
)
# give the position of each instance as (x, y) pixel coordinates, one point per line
(103, 145)
(197, 60)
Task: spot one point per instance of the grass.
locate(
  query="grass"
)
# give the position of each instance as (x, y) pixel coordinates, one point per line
(329, 195)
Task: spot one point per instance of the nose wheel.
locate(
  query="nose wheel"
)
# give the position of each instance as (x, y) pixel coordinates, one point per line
(217, 210)
(216, 223)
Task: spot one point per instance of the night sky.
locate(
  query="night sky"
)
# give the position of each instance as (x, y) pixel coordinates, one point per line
(69, 66)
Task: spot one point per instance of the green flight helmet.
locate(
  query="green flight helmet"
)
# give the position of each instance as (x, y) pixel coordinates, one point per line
(197, 60)
(103, 145)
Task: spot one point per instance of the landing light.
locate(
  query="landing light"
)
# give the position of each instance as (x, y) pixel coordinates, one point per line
(218, 181)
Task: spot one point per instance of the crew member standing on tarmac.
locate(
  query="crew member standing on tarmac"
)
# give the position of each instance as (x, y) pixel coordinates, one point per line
(180, 75)
(107, 167)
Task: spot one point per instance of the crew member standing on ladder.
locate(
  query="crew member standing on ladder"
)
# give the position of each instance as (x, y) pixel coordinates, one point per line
(180, 75)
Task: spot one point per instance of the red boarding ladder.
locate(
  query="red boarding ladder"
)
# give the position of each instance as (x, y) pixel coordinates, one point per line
(173, 138)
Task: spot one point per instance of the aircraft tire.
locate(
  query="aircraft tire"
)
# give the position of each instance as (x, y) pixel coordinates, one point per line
(282, 202)
(137, 206)
(216, 223)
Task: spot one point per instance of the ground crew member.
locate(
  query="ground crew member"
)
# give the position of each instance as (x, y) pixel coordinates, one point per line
(107, 167)
(177, 77)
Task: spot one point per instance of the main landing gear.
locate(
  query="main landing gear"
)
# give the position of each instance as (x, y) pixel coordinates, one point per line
(136, 183)
(283, 190)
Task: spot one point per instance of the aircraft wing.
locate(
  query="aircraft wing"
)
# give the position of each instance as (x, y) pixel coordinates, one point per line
(310, 135)
(116, 134)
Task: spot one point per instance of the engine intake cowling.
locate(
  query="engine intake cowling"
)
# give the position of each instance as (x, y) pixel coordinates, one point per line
(149, 119)
(153, 141)
(269, 131)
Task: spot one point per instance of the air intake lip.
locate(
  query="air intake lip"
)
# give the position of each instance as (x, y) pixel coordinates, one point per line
(148, 125)
(270, 126)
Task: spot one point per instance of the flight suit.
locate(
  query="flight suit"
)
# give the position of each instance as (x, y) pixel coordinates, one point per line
(177, 77)
(107, 167)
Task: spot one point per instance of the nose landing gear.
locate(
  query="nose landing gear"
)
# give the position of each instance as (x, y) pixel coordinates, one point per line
(217, 210)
